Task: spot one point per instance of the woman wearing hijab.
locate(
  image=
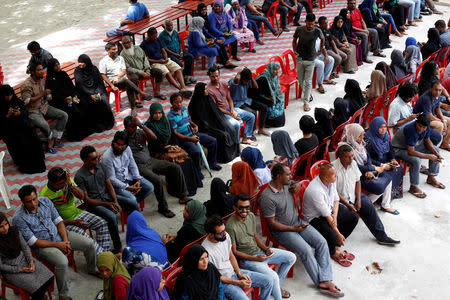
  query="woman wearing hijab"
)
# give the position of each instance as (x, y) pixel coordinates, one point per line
(373, 179)
(91, 90)
(391, 80)
(210, 120)
(239, 21)
(64, 97)
(147, 284)
(351, 36)
(221, 202)
(413, 59)
(144, 245)
(197, 43)
(430, 72)
(116, 278)
(379, 148)
(254, 158)
(432, 45)
(199, 279)
(353, 95)
(377, 86)
(283, 147)
(17, 266)
(373, 19)
(410, 41)
(244, 180)
(338, 35)
(323, 127)
(194, 215)
(220, 27)
(398, 65)
(19, 135)
(341, 112)
(270, 93)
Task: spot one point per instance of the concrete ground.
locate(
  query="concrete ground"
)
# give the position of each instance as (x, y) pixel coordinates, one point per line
(415, 269)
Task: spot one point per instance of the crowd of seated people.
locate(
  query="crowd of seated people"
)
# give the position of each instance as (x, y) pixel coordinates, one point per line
(231, 258)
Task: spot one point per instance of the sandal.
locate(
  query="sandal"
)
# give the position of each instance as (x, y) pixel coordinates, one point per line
(285, 294)
(342, 261)
(436, 184)
(49, 150)
(167, 213)
(334, 291)
(138, 104)
(418, 194)
(348, 255)
(160, 97)
(424, 170)
(321, 90)
(329, 82)
(266, 133)
(249, 142)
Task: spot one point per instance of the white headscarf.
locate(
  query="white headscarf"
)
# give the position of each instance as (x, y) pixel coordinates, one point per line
(351, 134)
(197, 26)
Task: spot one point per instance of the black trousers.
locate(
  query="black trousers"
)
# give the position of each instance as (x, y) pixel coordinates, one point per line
(40, 292)
(188, 60)
(257, 106)
(346, 222)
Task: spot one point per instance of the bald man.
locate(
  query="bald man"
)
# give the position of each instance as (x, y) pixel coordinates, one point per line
(322, 210)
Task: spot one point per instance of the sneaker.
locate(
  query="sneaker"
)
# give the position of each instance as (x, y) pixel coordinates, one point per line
(388, 242)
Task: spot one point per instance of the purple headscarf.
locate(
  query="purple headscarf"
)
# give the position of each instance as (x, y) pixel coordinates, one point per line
(221, 17)
(380, 143)
(144, 285)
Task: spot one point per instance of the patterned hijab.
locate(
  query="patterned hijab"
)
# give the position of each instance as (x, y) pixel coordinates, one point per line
(377, 85)
(10, 242)
(161, 128)
(197, 216)
(110, 261)
(274, 81)
(351, 134)
(380, 143)
(221, 17)
(244, 180)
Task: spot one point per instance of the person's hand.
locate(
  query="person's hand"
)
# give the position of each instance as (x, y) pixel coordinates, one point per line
(32, 266)
(445, 125)
(47, 92)
(386, 167)
(93, 98)
(167, 237)
(115, 80)
(68, 182)
(220, 42)
(132, 189)
(295, 53)
(395, 162)
(412, 117)
(138, 183)
(358, 41)
(244, 30)
(68, 100)
(445, 106)
(380, 169)
(16, 112)
(261, 257)
(234, 114)
(64, 247)
(194, 128)
(358, 205)
(243, 276)
(352, 208)
(111, 206)
(294, 187)
(379, 25)
(346, 44)
(244, 284)
(294, 8)
(25, 270)
(269, 252)
(368, 174)
(80, 223)
(145, 75)
(434, 158)
(10, 112)
(300, 227)
(366, 31)
(326, 60)
(115, 88)
(340, 239)
(194, 139)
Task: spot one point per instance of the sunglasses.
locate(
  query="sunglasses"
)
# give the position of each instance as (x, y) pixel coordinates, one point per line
(240, 207)
(221, 233)
(94, 158)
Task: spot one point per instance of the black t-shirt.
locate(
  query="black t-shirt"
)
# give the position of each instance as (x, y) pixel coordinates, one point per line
(306, 43)
(327, 36)
(304, 145)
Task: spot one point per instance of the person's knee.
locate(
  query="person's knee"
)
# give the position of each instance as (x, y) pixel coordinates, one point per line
(59, 260)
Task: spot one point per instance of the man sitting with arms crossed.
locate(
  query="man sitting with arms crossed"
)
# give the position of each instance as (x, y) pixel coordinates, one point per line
(253, 255)
(234, 279)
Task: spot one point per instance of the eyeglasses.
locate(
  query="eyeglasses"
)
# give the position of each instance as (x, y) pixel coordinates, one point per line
(244, 207)
(94, 158)
(221, 233)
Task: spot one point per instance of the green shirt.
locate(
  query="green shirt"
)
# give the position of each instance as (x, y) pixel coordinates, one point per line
(63, 200)
(242, 234)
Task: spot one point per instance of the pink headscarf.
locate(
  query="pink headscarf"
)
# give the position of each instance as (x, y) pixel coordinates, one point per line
(351, 134)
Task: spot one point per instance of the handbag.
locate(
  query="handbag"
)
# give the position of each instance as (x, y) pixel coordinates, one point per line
(174, 156)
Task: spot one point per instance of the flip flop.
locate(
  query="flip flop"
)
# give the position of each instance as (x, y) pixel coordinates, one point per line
(331, 82)
(335, 292)
(342, 261)
(436, 184)
(138, 104)
(266, 133)
(160, 97)
(285, 294)
(420, 195)
(321, 90)
(348, 255)
(49, 150)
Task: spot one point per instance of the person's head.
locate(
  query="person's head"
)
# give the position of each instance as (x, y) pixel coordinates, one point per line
(119, 142)
(306, 124)
(344, 13)
(53, 66)
(323, 23)
(57, 178)
(246, 76)
(281, 174)
(345, 155)
(4, 224)
(195, 258)
(433, 36)
(152, 33)
(111, 49)
(235, 4)
(351, 4)
(29, 198)
(379, 125)
(126, 42)
(89, 156)
(156, 111)
(133, 1)
(194, 210)
(310, 21)
(274, 68)
(215, 228)
(218, 6)
(436, 88)
(176, 101)
(168, 25)
(130, 124)
(200, 90)
(34, 48)
(327, 173)
(430, 70)
(202, 10)
(353, 134)
(407, 91)
(6, 92)
(84, 61)
(107, 263)
(37, 70)
(440, 25)
(214, 75)
(197, 24)
(339, 21)
(242, 206)
(422, 123)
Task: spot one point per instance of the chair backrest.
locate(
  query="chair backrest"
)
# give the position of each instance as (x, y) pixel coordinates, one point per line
(383, 105)
(2, 155)
(279, 60)
(287, 56)
(441, 74)
(260, 69)
(272, 9)
(169, 269)
(183, 36)
(323, 151)
(405, 79)
(298, 198)
(442, 57)
(370, 112)
(302, 174)
(316, 167)
(414, 100)
(171, 279)
(357, 116)
(183, 251)
(419, 69)
(337, 136)
(225, 218)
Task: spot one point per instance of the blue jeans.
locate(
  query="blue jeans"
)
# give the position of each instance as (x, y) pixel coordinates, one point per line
(111, 220)
(414, 161)
(286, 259)
(264, 282)
(414, 8)
(253, 27)
(247, 117)
(259, 19)
(235, 123)
(129, 200)
(390, 20)
(317, 262)
(323, 71)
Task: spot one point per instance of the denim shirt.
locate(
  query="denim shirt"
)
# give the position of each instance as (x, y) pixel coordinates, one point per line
(40, 225)
(239, 92)
(120, 169)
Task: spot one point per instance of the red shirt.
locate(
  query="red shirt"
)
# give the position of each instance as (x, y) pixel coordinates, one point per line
(356, 18)
(119, 287)
(219, 94)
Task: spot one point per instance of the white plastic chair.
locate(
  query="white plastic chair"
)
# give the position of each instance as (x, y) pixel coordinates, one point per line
(4, 189)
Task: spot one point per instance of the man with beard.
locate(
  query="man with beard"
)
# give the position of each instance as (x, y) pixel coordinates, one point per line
(252, 253)
(234, 279)
(123, 172)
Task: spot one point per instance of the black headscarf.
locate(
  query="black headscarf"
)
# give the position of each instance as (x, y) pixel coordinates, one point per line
(11, 122)
(58, 82)
(9, 243)
(88, 79)
(221, 202)
(353, 95)
(210, 120)
(432, 45)
(337, 32)
(348, 27)
(427, 76)
(323, 127)
(341, 112)
(195, 283)
(391, 80)
(398, 65)
(199, 14)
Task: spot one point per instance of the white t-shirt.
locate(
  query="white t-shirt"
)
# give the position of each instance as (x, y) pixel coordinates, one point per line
(111, 68)
(346, 179)
(399, 110)
(263, 175)
(318, 200)
(219, 255)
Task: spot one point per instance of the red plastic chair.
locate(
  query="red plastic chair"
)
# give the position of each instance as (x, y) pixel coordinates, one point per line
(171, 279)
(298, 198)
(272, 16)
(24, 295)
(370, 112)
(337, 136)
(357, 116)
(287, 56)
(116, 97)
(286, 80)
(383, 104)
(442, 57)
(414, 100)
(183, 251)
(322, 151)
(441, 74)
(306, 157)
(316, 167)
(419, 69)
(260, 69)
(405, 79)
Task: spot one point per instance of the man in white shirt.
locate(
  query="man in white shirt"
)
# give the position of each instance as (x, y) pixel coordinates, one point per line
(234, 279)
(114, 71)
(349, 189)
(322, 210)
(400, 109)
